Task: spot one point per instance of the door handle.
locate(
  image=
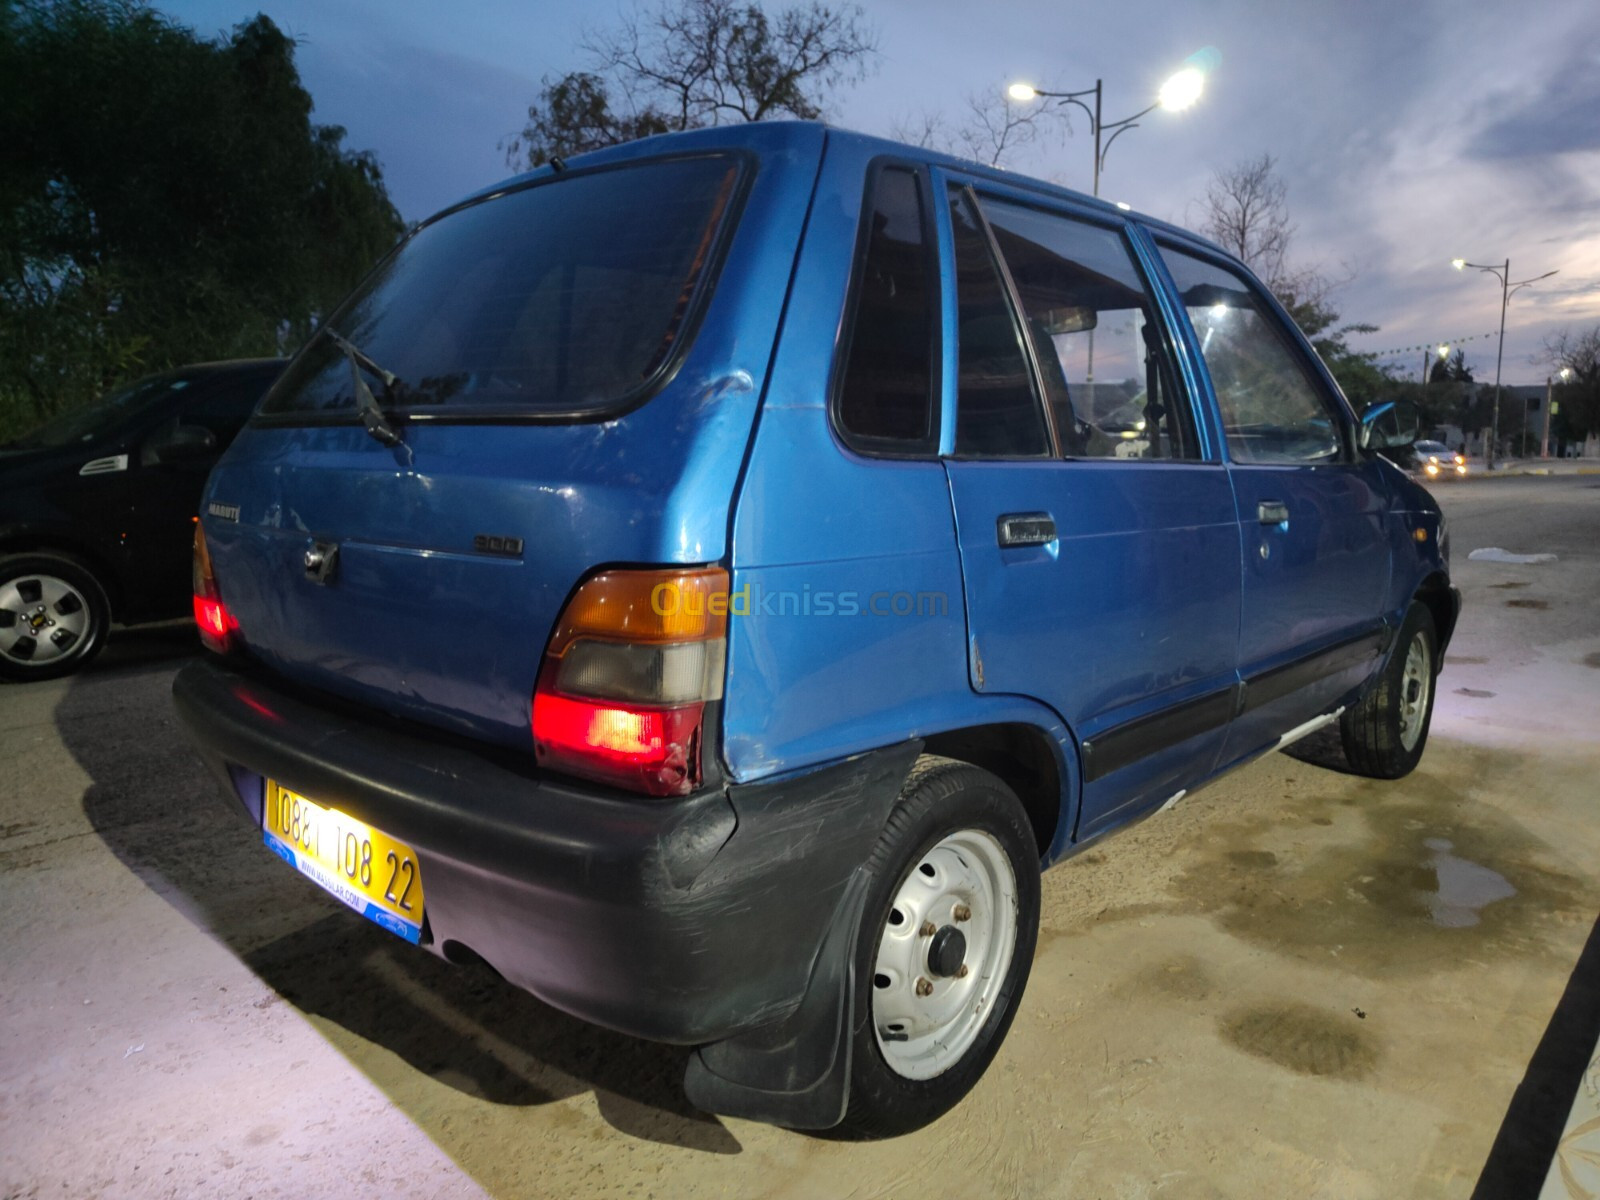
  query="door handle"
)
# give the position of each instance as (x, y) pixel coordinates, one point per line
(1272, 512)
(1026, 529)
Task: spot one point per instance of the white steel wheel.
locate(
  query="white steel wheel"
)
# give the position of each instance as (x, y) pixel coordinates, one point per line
(1385, 733)
(949, 923)
(1416, 687)
(944, 954)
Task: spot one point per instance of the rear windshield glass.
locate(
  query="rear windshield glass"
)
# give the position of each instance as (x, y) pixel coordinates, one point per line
(568, 297)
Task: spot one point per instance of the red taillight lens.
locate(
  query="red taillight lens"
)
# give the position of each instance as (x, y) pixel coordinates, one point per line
(634, 658)
(215, 622)
(650, 750)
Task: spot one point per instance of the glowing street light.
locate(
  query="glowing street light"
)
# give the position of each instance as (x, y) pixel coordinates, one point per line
(1503, 274)
(1550, 407)
(1180, 91)
(1443, 352)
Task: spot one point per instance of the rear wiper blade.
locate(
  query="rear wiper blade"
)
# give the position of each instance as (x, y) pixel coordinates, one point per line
(366, 404)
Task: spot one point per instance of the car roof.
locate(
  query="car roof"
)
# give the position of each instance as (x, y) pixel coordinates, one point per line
(768, 137)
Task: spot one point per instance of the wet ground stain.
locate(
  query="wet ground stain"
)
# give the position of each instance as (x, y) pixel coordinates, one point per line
(1451, 660)
(1592, 660)
(1527, 604)
(1307, 1040)
(1476, 693)
(1425, 876)
(1514, 584)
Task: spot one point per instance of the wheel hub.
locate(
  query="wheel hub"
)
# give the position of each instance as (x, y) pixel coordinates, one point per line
(947, 952)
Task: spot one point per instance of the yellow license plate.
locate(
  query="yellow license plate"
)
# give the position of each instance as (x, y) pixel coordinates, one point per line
(366, 868)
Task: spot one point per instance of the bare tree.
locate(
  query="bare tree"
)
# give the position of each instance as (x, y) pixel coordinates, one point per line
(1579, 397)
(1247, 212)
(991, 128)
(1576, 352)
(686, 64)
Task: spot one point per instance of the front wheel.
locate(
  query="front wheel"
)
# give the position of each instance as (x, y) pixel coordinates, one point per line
(1384, 735)
(53, 616)
(946, 943)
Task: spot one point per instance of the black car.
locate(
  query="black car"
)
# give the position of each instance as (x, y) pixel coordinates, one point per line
(97, 511)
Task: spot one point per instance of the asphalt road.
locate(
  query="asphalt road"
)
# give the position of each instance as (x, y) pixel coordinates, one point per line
(1294, 983)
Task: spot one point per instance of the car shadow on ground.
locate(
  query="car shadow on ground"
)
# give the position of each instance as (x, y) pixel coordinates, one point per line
(142, 645)
(158, 810)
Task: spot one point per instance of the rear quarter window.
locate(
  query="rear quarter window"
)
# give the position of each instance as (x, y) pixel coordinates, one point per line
(567, 298)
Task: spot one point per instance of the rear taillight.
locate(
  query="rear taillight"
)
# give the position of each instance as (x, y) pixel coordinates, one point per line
(634, 660)
(210, 614)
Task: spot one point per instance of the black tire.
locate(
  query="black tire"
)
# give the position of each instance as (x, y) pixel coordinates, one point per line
(965, 825)
(1385, 734)
(54, 615)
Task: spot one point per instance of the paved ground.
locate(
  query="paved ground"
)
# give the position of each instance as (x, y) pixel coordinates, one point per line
(1296, 983)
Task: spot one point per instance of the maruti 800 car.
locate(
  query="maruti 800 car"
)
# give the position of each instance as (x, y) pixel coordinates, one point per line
(707, 580)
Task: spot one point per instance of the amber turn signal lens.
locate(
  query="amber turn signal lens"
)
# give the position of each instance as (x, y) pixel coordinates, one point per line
(646, 606)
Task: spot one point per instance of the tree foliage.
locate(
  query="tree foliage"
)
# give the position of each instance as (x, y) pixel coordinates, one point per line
(1451, 370)
(166, 199)
(687, 64)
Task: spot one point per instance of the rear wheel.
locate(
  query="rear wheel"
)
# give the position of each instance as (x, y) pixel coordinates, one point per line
(946, 943)
(1385, 734)
(53, 616)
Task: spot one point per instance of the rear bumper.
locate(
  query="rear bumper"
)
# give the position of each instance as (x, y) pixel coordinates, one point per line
(682, 921)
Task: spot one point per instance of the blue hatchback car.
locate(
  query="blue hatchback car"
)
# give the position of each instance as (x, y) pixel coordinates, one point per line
(707, 580)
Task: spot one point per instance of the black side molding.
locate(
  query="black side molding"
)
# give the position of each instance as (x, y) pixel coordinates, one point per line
(1279, 682)
(1129, 742)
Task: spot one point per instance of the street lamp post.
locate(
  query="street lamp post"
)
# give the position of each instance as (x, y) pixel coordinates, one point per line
(1503, 274)
(1177, 93)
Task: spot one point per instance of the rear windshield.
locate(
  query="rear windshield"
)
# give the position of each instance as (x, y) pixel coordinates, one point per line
(568, 298)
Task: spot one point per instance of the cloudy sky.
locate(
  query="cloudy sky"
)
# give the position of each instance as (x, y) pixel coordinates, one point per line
(1407, 132)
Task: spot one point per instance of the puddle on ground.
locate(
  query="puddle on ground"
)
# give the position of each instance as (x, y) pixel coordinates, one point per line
(1475, 693)
(1527, 604)
(1451, 660)
(1510, 584)
(1309, 1040)
(1461, 889)
(1425, 876)
(1592, 660)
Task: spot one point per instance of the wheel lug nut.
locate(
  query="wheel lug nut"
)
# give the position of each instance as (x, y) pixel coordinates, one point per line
(924, 987)
(928, 929)
(962, 972)
(963, 913)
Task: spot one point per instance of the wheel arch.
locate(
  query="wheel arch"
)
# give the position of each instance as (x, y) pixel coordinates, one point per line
(1025, 758)
(1442, 603)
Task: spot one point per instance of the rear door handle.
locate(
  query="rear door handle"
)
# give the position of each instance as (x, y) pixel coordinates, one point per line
(1026, 529)
(1272, 512)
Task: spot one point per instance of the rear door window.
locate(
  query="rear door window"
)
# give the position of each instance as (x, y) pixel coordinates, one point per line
(568, 298)
(998, 409)
(1100, 348)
